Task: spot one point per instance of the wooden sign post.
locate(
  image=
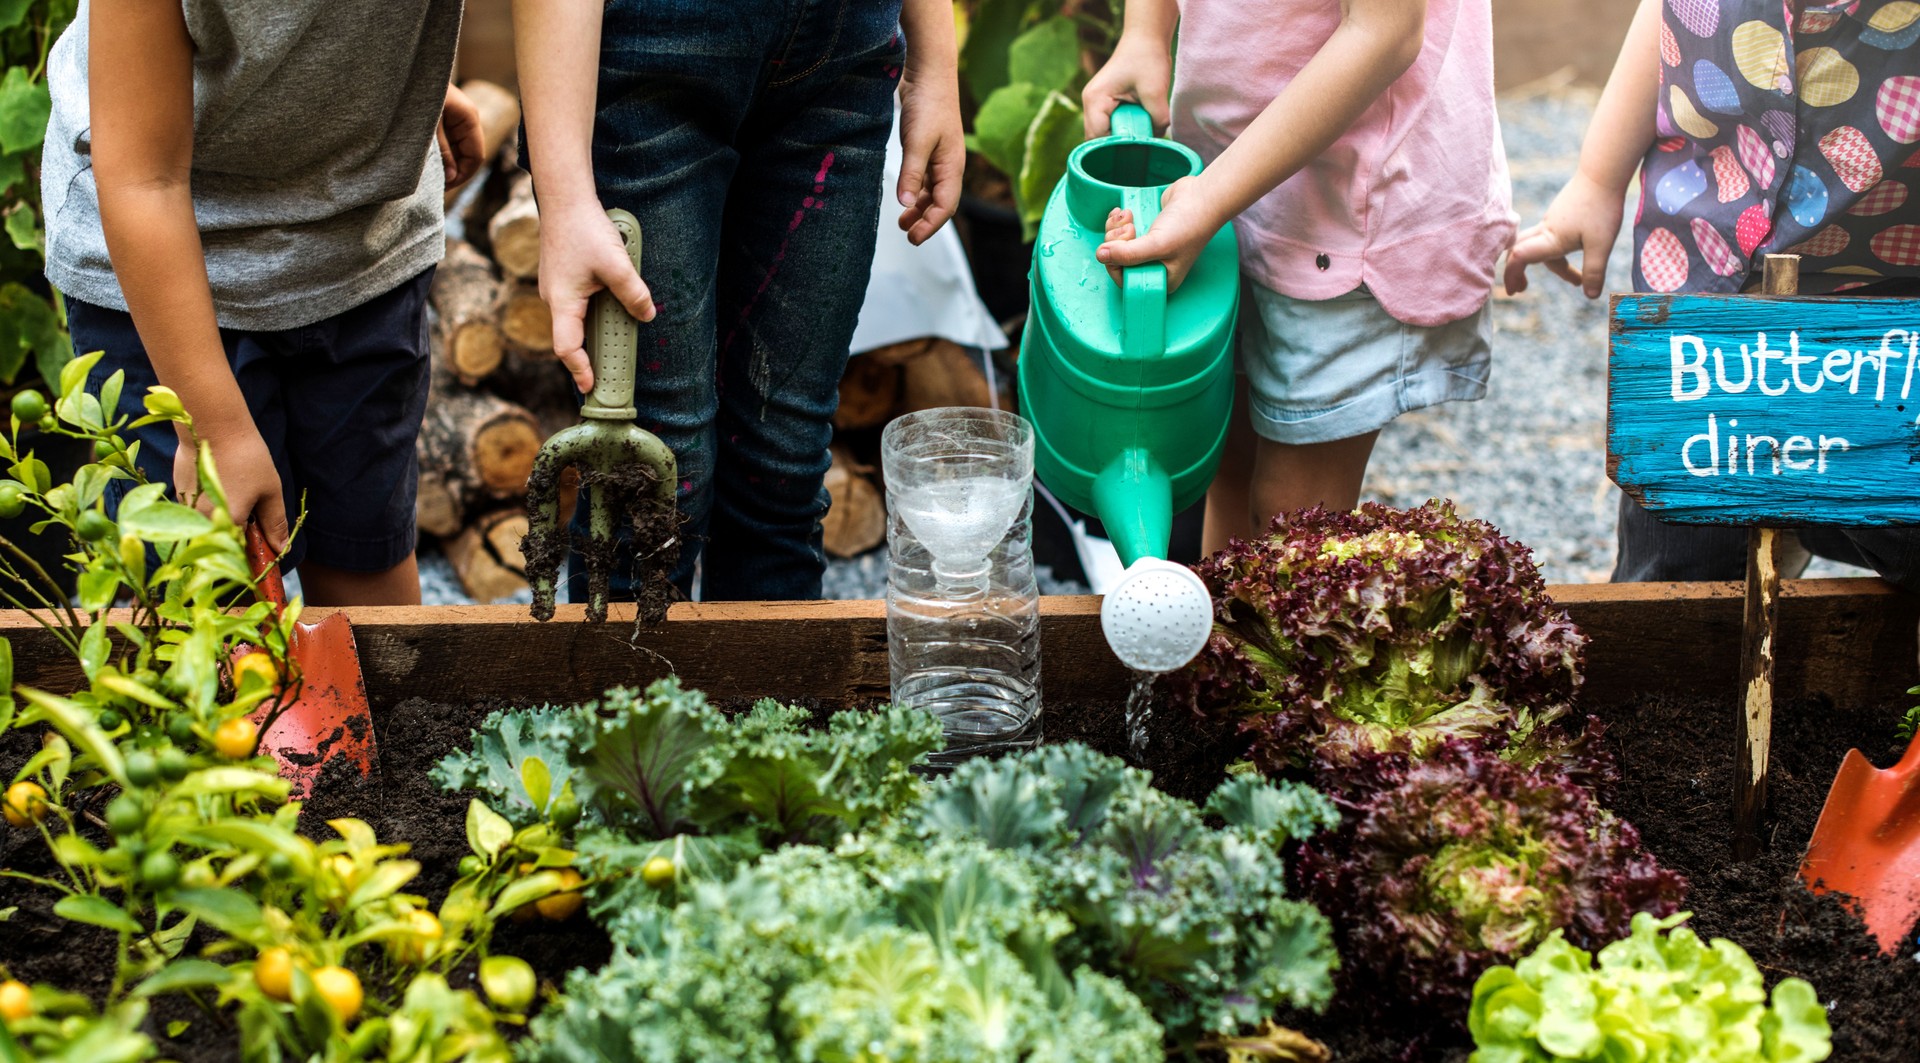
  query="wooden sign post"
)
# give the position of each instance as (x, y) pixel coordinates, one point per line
(1765, 412)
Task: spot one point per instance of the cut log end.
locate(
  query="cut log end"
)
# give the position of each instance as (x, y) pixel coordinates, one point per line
(515, 232)
(503, 453)
(474, 350)
(525, 321)
(486, 556)
(856, 520)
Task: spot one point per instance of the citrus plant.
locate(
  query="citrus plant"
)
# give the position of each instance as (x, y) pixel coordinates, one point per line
(33, 325)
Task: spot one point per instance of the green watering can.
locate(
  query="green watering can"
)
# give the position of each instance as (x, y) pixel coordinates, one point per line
(630, 473)
(1129, 387)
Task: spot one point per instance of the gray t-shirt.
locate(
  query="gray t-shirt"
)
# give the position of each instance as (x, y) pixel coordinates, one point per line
(316, 180)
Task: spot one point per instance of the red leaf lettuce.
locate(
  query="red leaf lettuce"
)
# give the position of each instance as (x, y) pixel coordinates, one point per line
(1448, 865)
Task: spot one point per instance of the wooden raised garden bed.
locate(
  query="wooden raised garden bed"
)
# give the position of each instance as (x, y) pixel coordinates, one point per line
(1661, 673)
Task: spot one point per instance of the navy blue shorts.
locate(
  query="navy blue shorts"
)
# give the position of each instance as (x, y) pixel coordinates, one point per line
(339, 403)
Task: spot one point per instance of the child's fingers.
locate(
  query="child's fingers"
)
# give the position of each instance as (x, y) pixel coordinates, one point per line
(632, 292)
(569, 332)
(1593, 267)
(270, 512)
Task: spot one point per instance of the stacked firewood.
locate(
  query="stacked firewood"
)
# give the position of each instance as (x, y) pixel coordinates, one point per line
(497, 393)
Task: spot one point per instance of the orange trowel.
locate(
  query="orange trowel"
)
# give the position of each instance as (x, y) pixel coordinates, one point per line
(1867, 844)
(328, 720)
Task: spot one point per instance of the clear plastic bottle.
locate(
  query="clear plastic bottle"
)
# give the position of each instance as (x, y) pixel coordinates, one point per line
(963, 632)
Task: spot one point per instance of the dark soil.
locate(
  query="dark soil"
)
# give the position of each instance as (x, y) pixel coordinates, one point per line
(1676, 765)
(401, 805)
(1676, 761)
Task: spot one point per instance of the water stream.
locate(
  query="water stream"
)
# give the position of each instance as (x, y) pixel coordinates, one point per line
(1139, 707)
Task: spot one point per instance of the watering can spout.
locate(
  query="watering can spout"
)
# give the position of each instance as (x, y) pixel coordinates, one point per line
(1133, 497)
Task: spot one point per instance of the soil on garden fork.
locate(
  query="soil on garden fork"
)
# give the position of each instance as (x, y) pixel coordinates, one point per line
(626, 472)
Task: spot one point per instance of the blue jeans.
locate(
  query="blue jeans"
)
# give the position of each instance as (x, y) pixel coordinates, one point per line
(749, 138)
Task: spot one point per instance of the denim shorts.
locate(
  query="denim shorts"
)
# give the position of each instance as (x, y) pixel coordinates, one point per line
(1321, 370)
(338, 402)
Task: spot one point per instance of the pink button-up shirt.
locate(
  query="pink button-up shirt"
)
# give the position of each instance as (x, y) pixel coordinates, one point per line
(1413, 200)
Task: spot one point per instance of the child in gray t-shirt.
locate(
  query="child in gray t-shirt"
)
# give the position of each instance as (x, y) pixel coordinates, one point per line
(243, 202)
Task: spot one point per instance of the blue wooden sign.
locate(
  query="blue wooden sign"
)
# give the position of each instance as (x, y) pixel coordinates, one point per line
(1729, 409)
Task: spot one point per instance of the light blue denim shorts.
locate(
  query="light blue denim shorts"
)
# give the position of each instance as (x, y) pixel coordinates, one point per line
(1321, 370)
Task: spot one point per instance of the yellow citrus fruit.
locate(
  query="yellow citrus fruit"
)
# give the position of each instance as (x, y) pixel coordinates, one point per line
(236, 738)
(423, 930)
(560, 907)
(256, 668)
(340, 988)
(657, 872)
(16, 1000)
(25, 804)
(273, 973)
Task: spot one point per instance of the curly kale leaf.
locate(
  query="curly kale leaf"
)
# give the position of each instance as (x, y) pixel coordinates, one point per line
(1661, 986)
(1194, 919)
(1379, 630)
(1448, 865)
(792, 784)
(646, 754)
(815, 955)
(498, 764)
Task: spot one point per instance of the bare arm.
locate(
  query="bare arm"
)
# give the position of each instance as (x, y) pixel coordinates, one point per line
(1375, 43)
(140, 61)
(1585, 216)
(933, 145)
(557, 49)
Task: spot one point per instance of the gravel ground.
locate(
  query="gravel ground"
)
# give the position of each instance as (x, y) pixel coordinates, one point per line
(1530, 457)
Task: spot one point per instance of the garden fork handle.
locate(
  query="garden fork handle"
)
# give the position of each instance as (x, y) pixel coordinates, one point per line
(265, 564)
(613, 339)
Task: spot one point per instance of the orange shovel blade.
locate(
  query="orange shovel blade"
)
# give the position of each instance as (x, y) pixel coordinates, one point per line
(329, 718)
(1867, 844)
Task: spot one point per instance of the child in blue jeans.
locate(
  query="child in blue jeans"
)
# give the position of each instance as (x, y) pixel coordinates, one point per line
(749, 139)
(1756, 128)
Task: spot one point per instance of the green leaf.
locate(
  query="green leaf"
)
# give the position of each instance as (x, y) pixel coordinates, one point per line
(1055, 132)
(23, 228)
(253, 836)
(539, 783)
(183, 975)
(386, 880)
(6, 684)
(97, 587)
(24, 109)
(53, 355)
(94, 648)
(487, 830)
(1000, 128)
(526, 890)
(1047, 55)
(73, 375)
(12, 11)
(990, 36)
(13, 166)
(226, 910)
(78, 725)
(166, 522)
(230, 781)
(95, 911)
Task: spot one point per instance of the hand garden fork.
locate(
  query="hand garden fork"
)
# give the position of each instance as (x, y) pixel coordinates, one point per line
(625, 470)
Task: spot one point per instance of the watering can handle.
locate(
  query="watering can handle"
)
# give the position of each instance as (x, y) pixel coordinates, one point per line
(1131, 121)
(612, 338)
(1143, 289)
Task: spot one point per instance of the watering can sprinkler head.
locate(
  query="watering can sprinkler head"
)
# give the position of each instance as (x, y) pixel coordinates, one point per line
(626, 470)
(1158, 617)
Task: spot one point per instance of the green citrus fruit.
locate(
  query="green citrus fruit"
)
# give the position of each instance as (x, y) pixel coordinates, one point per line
(29, 406)
(92, 526)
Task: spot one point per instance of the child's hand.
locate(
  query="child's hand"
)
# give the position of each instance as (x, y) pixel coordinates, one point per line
(247, 474)
(1141, 71)
(581, 253)
(1584, 217)
(1176, 237)
(459, 135)
(933, 150)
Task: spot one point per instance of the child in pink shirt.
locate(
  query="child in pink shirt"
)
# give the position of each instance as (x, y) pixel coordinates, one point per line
(1355, 147)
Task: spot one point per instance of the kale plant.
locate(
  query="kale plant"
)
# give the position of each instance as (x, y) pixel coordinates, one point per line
(1447, 865)
(903, 952)
(663, 775)
(1194, 918)
(1380, 630)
